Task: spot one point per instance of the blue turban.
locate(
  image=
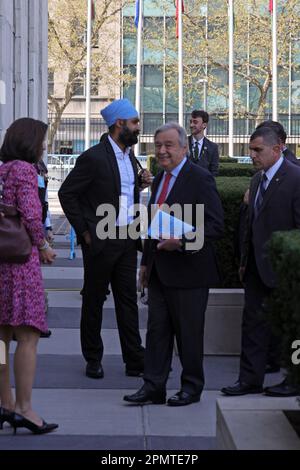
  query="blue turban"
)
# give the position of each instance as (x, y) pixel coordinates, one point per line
(118, 109)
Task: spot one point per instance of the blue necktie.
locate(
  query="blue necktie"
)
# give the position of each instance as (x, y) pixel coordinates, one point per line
(261, 192)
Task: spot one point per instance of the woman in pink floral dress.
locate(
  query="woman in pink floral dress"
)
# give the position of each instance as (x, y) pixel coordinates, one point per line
(22, 300)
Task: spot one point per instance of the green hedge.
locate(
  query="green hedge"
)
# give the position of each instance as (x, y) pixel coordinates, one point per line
(284, 305)
(236, 169)
(226, 168)
(226, 160)
(231, 192)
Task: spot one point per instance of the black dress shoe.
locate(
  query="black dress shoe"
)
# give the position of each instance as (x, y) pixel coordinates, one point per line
(143, 397)
(272, 368)
(94, 370)
(241, 388)
(284, 389)
(183, 398)
(20, 421)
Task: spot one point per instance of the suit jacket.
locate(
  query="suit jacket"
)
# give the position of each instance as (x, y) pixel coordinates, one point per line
(209, 157)
(280, 210)
(186, 269)
(289, 155)
(94, 180)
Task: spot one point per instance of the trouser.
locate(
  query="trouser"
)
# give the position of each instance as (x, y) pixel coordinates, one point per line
(178, 312)
(117, 265)
(256, 330)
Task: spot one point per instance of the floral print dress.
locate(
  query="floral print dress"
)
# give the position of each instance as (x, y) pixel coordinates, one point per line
(22, 300)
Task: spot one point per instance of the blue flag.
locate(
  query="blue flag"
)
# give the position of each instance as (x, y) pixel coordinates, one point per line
(137, 13)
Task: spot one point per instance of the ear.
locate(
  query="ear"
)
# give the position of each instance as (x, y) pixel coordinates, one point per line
(277, 148)
(119, 123)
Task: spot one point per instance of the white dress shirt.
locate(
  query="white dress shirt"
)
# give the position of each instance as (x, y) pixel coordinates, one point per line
(127, 183)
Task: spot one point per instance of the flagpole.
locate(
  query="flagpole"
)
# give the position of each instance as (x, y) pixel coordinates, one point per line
(231, 78)
(274, 62)
(139, 68)
(180, 66)
(88, 76)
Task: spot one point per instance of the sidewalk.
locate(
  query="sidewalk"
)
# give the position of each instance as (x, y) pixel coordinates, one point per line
(91, 413)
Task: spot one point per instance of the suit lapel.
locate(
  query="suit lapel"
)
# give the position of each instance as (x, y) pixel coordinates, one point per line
(204, 148)
(252, 196)
(114, 166)
(135, 171)
(174, 194)
(155, 187)
(274, 184)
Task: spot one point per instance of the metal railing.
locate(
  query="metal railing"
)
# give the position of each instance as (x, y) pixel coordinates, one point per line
(59, 166)
(69, 138)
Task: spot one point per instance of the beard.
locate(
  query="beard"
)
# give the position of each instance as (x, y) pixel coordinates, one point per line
(128, 137)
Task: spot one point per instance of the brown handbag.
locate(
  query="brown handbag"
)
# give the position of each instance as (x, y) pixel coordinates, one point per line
(15, 243)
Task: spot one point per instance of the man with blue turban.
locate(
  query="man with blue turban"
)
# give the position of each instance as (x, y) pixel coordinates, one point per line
(105, 174)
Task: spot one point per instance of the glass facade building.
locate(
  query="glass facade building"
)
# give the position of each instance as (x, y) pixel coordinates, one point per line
(205, 52)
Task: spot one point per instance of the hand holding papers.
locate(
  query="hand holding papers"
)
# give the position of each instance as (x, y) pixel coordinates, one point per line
(166, 226)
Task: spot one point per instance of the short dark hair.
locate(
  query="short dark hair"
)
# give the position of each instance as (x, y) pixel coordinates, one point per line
(268, 134)
(24, 141)
(276, 126)
(200, 113)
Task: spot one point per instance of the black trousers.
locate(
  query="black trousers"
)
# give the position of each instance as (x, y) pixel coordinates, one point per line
(256, 330)
(117, 265)
(180, 313)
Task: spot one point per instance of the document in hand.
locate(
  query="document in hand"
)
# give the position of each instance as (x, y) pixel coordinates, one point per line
(164, 225)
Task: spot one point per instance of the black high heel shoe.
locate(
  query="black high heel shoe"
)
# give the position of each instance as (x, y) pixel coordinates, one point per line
(6, 416)
(20, 421)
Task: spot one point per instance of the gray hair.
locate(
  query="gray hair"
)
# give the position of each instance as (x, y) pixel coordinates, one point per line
(182, 136)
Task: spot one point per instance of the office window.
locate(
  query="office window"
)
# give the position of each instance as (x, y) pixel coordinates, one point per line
(79, 86)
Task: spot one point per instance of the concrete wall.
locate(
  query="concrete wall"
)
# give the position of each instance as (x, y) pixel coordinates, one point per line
(23, 60)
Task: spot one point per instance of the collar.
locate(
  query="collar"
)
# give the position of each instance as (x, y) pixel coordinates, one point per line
(198, 141)
(273, 169)
(116, 148)
(175, 172)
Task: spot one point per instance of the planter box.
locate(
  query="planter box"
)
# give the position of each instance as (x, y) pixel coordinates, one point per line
(256, 423)
(223, 322)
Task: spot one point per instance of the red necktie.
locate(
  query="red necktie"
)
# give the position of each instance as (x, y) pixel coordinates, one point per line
(164, 191)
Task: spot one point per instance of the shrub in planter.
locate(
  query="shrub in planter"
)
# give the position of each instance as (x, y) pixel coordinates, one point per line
(231, 191)
(236, 169)
(284, 304)
(226, 160)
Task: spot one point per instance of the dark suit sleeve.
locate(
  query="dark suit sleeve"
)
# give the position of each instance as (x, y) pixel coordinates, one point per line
(76, 183)
(214, 165)
(296, 208)
(290, 156)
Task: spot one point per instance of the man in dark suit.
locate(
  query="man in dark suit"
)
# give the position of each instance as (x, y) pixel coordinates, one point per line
(178, 273)
(274, 351)
(202, 151)
(274, 204)
(107, 174)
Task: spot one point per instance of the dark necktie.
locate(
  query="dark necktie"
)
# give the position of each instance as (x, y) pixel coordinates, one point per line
(196, 150)
(164, 190)
(261, 192)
